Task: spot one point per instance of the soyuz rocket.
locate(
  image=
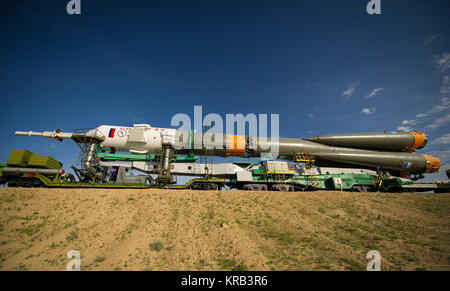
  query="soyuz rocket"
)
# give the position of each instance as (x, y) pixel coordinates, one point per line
(392, 151)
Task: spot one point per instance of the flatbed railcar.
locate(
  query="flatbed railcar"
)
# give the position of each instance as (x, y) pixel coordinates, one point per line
(44, 171)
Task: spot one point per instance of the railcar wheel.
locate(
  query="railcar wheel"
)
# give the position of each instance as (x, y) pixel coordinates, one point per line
(12, 183)
(36, 183)
(26, 183)
(357, 188)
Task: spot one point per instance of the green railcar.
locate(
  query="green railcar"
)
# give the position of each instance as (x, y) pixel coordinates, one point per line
(36, 179)
(25, 169)
(290, 181)
(19, 158)
(44, 162)
(345, 182)
(394, 184)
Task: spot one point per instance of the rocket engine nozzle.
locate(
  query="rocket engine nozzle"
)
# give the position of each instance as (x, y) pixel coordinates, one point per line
(420, 140)
(433, 164)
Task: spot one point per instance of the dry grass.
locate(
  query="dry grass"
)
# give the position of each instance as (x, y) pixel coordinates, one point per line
(228, 230)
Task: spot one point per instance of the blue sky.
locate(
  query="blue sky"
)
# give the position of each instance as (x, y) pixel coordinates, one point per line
(324, 66)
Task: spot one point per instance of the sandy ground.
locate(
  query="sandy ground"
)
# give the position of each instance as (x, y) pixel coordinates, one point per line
(221, 230)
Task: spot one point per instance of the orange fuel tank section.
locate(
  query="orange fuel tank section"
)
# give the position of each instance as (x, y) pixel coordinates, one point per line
(420, 140)
(433, 164)
(235, 145)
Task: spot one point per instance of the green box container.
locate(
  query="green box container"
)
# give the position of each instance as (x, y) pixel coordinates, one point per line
(258, 172)
(19, 157)
(42, 161)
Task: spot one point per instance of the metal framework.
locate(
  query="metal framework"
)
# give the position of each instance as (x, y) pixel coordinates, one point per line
(85, 143)
(306, 162)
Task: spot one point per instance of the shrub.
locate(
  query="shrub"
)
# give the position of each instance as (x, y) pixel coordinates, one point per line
(156, 246)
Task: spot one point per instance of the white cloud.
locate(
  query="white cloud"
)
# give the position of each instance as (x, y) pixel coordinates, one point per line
(443, 155)
(443, 105)
(311, 116)
(439, 122)
(404, 128)
(445, 140)
(409, 122)
(445, 87)
(368, 111)
(429, 39)
(351, 89)
(373, 93)
(442, 62)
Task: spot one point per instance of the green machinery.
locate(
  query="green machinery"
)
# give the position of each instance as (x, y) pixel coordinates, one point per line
(101, 154)
(25, 169)
(284, 176)
(352, 182)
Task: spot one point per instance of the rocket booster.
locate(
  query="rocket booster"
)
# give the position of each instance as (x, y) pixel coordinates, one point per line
(392, 141)
(392, 151)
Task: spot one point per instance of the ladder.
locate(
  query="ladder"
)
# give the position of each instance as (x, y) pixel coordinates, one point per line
(207, 159)
(277, 174)
(164, 161)
(378, 180)
(306, 162)
(85, 143)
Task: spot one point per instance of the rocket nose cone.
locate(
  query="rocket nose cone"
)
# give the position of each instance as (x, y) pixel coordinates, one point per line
(313, 139)
(433, 164)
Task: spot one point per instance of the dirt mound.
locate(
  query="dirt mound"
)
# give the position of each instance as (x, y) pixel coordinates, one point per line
(221, 230)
